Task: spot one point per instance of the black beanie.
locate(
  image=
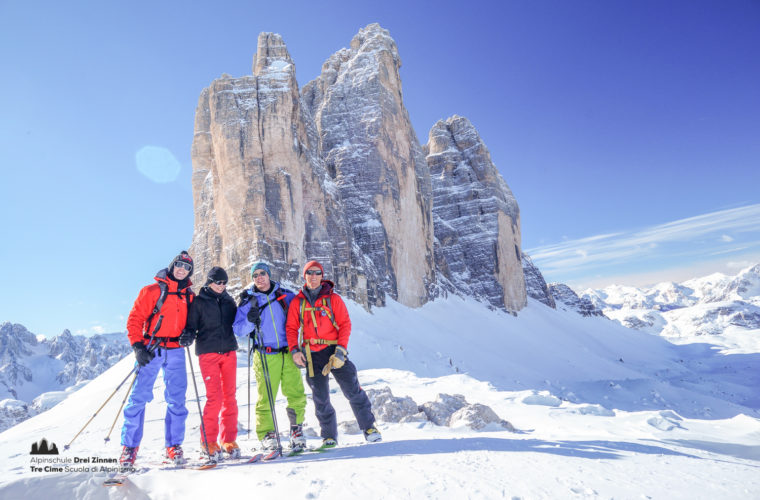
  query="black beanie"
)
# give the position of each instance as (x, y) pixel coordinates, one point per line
(216, 274)
(183, 257)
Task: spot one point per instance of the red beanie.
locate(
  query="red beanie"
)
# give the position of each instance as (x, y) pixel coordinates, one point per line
(312, 263)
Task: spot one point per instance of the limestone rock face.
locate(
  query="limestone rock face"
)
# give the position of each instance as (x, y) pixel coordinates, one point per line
(477, 219)
(373, 155)
(260, 190)
(535, 284)
(336, 173)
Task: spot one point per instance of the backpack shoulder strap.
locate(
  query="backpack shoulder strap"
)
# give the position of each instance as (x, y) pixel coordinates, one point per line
(164, 290)
(280, 296)
(329, 311)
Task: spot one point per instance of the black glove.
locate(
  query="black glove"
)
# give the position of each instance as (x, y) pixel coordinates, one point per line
(142, 354)
(244, 297)
(186, 338)
(254, 315)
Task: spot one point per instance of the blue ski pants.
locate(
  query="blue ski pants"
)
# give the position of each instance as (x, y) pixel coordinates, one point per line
(172, 364)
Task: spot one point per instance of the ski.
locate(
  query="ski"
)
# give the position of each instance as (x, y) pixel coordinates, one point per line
(209, 464)
(241, 461)
(272, 455)
(118, 478)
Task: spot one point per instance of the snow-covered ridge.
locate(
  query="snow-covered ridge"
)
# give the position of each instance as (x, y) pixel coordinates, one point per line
(37, 373)
(716, 305)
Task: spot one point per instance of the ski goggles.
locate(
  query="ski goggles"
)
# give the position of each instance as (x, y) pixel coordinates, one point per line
(314, 272)
(183, 265)
(219, 282)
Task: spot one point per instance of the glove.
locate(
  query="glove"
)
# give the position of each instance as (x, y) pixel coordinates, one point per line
(244, 297)
(337, 360)
(187, 338)
(254, 315)
(143, 355)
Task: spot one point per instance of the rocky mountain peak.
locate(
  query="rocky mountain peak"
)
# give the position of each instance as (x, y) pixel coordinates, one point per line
(15, 340)
(336, 173)
(272, 56)
(566, 298)
(477, 219)
(374, 38)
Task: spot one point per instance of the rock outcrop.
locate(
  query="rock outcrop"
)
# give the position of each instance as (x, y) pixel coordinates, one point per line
(259, 187)
(535, 285)
(566, 298)
(373, 155)
(336, 173)
(477, 220)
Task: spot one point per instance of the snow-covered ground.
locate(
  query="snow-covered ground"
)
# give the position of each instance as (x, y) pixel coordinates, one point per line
(601, 411)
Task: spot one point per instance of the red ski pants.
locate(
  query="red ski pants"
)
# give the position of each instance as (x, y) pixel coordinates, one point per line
(218, 372)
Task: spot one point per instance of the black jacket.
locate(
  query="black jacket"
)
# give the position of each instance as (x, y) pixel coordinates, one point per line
(211, 316)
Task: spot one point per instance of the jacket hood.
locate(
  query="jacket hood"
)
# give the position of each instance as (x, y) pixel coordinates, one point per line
(326, 289)
(163, 275)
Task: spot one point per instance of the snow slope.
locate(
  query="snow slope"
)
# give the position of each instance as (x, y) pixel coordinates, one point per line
(601, 411)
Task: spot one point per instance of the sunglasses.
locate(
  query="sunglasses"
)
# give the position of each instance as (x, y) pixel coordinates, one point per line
(219, 282)
(314, 272)
(183, 265)
(259, 274)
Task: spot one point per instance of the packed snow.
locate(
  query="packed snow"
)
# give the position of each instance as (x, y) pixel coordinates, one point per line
(550, 405)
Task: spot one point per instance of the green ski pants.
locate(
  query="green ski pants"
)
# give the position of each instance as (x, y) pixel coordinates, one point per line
(284, 374)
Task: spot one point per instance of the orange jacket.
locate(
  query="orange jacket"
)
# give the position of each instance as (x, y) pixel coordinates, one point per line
(324, 329)
(173, 312)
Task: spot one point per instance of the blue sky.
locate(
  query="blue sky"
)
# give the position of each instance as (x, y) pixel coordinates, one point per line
(615, 123)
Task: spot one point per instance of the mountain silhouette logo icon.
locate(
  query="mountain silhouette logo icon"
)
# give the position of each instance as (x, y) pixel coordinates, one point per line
(42, 448)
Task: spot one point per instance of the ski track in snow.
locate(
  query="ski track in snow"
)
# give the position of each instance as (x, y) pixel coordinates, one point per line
(668, 421)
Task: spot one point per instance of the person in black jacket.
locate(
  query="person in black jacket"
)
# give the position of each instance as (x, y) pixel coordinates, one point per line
(209, 323)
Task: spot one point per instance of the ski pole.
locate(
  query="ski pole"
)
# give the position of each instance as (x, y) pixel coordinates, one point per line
(129, 391)
(268, 384)
(66, 447)
(249, 387)
(134, 370)
(198, 400)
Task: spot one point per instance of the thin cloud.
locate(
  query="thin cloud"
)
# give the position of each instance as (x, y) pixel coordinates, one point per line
(624, 246)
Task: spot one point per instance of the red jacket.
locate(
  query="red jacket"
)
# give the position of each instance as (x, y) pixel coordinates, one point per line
(174, 312)
(324, 329)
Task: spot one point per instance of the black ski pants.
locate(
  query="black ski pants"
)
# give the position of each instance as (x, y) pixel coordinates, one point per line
(349, 384)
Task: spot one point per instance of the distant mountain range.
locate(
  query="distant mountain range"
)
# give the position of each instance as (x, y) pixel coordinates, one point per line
(713, 305)
(37, 373)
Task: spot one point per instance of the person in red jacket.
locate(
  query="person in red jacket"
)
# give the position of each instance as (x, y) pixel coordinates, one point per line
(318, 329)
(155, 339)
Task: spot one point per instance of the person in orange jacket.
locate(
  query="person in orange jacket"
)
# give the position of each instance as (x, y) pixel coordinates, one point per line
(318, 329)
(155, 339)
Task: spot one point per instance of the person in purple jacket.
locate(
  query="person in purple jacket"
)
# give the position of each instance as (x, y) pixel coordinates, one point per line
(265, 306)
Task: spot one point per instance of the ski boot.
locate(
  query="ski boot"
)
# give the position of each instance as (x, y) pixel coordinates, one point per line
(329, 443)
(128, 456)
(270, 441)
(175, 454)
(231, 449)
(373, 435)
(214, 452)
(297, 441)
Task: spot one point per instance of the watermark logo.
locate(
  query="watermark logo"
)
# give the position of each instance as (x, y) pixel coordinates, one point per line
(43, 448)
